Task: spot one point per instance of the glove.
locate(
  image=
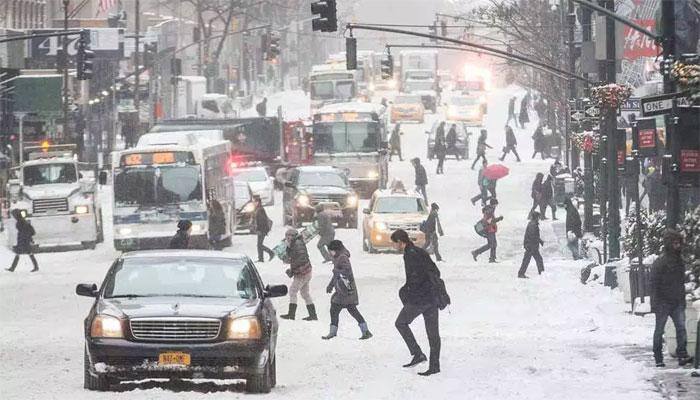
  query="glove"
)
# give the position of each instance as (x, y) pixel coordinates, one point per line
(329, 289)
(289, 272)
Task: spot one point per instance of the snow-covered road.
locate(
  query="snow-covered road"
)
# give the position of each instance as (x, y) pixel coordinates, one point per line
(547, 337)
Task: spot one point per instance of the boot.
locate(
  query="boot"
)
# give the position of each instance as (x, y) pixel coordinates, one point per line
(474, 255)
(366, 334)
(36, 265)
(292, 312)
(682, 361)
(332, 333)
(14, 264)
(312, 313)
(417, 359)
(271, 254)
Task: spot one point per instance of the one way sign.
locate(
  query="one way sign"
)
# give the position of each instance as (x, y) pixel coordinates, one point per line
(577, 115)
(662, 104)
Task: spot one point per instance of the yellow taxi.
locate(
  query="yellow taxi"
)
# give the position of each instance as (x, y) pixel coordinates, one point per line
(389, 210)
(407, 108)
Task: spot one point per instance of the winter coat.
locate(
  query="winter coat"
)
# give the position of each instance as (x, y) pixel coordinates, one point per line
(510, 137)
(395, 139)
(419, 267)
(532, 240)
(547, 191)
(261, 108)
(573, 221)
(538, 138)
(217, 225)
(451, 139)
(489, 219)
(421, 176)
(298, 256)
(262, 221)
(511, 106)
(343, 280)
(181, 240)
(25, 232)
(481, 146)
(523, 117)
(668, 280)
(432, 224)
(325, 224)
(440, 149)
(440, 134)
(537, 187)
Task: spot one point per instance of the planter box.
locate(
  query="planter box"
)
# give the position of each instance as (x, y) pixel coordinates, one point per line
(692, 314)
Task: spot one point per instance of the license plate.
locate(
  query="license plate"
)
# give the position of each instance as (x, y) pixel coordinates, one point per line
(174, 358)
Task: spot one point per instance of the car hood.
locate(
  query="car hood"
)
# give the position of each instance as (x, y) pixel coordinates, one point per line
(316, 190)
(55, 190)
(400, 218)
(166, 306)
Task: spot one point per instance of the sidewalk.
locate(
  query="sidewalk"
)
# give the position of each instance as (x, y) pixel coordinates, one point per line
(672, 381)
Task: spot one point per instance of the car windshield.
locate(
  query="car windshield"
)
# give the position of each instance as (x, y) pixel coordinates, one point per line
(464, 101)
(181, 277)
(398, 205)
(157, 186)
(322, 178)
(250, 175)
(46, 174)
(407, 100)
(344, 137)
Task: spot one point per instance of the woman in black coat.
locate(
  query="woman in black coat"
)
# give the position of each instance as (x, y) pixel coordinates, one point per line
(217, 225)
(25, 232)
(263, 225)
(548, 198)
(342, 285)
(181, 240)
(536, 193)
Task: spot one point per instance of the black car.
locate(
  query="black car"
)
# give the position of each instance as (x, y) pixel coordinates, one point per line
(181, 314)
(309, 186)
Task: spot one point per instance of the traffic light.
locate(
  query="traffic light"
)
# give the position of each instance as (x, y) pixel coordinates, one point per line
(327, 20)
(351, 53)
(264, 45)
(273, 49)
(433, 31)
(84, 57)
(387, 67)
(150, 51)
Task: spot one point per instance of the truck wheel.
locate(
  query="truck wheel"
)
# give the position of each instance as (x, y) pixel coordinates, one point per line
(99, 383)
(261, 383)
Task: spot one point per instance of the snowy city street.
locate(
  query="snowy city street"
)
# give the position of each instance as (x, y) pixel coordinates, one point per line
(350, 199)
(546, 337)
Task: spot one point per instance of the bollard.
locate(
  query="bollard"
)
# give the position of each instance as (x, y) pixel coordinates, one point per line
(696, 363)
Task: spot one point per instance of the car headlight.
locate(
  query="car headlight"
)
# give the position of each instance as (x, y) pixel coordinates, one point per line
(381, 226)
(249, 208)
(373, 174)
(352, 200)
(244, 328)
(106, 326)
(125, 231)
(81, 209)
(303, 200)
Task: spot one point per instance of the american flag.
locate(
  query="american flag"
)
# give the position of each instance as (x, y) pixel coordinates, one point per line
(105, 5)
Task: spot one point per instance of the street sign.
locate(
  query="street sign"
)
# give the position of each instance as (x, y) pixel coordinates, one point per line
(592, 111)
(577, 115)
(631, 104)
(662, 104)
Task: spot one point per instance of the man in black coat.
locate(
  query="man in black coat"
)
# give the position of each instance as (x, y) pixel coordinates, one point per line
(511, 143)
(326, 231)
(181, 240)
(263, 227)
(419, 297)
(668, 297)
(421, 178)
(573, 228)
(25, 232)
(451, 140)
(532, 243)
(511, 111)
(433, 228)
(261, 107)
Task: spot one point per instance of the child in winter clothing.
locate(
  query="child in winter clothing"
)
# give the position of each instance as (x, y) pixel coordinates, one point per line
(489, 221)
(342, 285)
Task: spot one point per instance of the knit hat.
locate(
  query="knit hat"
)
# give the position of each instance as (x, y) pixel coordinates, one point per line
(335, 245)
(435, 206)
(184, 224)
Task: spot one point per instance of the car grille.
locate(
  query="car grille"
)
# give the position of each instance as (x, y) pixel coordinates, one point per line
(175, 329)
(340, 199)
(41, 206)
(405, 227)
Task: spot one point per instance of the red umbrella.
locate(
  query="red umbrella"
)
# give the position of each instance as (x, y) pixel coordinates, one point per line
(496, 171)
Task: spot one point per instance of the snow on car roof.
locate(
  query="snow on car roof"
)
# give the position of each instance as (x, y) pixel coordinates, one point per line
(167, 253)
(351, 107)
(397, 193)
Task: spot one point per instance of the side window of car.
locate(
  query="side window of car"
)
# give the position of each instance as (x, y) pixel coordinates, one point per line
(256, 279)
(247, 284)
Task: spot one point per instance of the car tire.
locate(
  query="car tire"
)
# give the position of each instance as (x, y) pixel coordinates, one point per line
(97, 383)
(365, 248)
(370, 248)
(273, 372)
(261, 383)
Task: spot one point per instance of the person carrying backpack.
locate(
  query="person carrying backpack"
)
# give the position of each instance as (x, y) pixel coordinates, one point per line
(489, 221)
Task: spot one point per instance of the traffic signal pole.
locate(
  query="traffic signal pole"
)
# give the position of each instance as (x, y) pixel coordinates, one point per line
(671, 168)
(64, 62)
(572, 153)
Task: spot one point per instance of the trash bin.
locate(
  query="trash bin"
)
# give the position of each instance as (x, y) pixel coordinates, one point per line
(640, 283)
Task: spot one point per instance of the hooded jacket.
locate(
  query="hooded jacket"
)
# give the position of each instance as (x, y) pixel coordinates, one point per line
(181, 240)
(343, 281)
(573, 220)
(668, 278)
(421, 176)
(298, 256)
(532, 238)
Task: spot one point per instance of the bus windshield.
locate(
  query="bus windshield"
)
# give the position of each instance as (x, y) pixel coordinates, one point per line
(157, 186)
(343, 137)
(322, 90)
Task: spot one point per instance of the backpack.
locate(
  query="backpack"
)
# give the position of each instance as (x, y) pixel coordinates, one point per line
(441, 295)
(480, 228)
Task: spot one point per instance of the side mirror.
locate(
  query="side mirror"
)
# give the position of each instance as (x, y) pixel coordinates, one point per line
(366, 211)
(289, 184)
(103, 178)
(86, 289)
(275, 291)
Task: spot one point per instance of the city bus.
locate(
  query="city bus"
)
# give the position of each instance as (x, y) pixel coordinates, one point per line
(168, 177)
(331, 83)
